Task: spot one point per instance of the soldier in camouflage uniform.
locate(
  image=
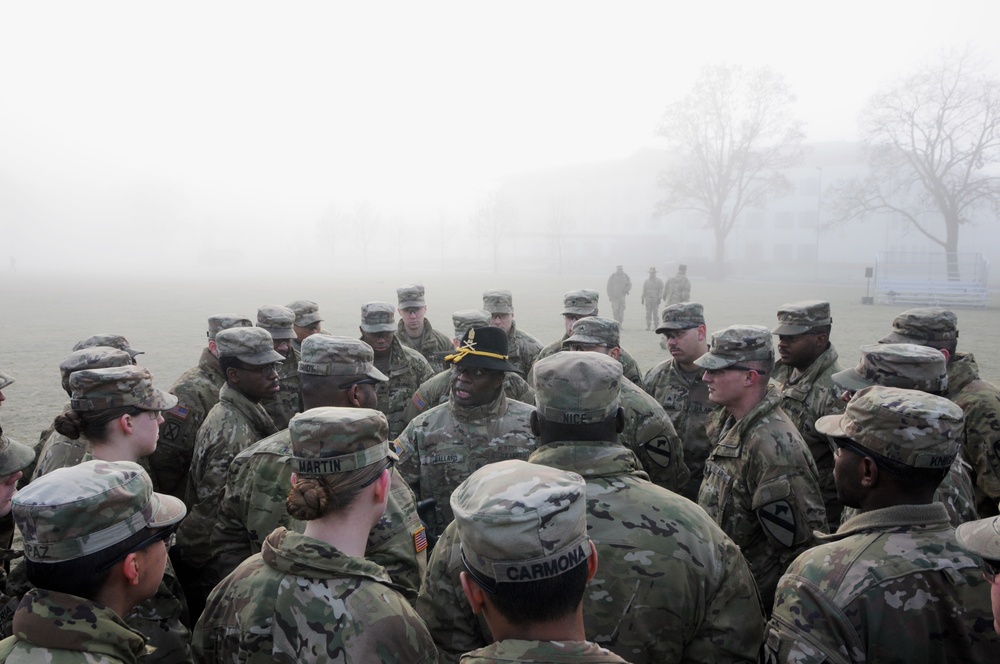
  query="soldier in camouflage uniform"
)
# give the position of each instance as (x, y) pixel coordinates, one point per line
(619, 286)
(527, 557)
(678, 288)
(579, 304)
(308, 322)
(479, 425)
(979, 400)
(982, 538)
(335, 371)
(803, 376)
(648, 431)
(912, 367)
(652, 293)
(522, 346)
(435, 391)
(95, 530)
(677, 385)
(312, 596)
(250, 364)
(287, 402)
(415, 331)
(893, 582)
(405, 367)
(670, 586)
(197, 391)
(760, 481)
(58, 450)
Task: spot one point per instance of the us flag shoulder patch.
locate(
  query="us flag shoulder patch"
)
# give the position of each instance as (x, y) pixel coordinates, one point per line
(179, 411)
(418, 401)
(420, 539)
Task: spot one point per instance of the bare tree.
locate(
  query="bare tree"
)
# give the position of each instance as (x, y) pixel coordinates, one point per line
(330, 228)
(493, 218)
(731, 136)
(929, 139)
(366, 226)
(559, 223)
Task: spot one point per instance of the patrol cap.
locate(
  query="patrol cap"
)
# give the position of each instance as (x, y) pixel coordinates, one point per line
(914, 428)
(683, 316)
(909, 366)
(800, 317)
(595, 331)
(117, 387)
(306, 312)
(498, 301)
(482, 347)
(325, 355)
(923, 325)
(220, 322)
(76, 511)
(5, 380)
(577, 388)
(327, 441)
(95, 357)
(277, 321)
(108, 339)
(378, 317)
(981, 537)
(580, 302)
(14, 456)
(520, 522)
(252, 345)
(411, 295)
(465, 319)
(735, 344)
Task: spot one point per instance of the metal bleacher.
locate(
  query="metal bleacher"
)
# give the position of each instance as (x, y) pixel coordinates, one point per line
(921, 279)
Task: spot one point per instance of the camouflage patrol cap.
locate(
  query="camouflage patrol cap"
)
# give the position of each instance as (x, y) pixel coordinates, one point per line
(800, 317)
(521, 522)
(914, 428)
(981, 537)
(378, 317)
(14, 456)
(220, 322)
(466, 319)
(252, 345)
(329, 440)
(5, 380)
(277, 321)
(580, 302)
(117, 387)
(306, 312)
(595, 331)
(80, 510)
(683, 316)
(922, 325)
(498, 301)
(95, 357)
(735, 344)
(909, 366)
(108, 339)
(410, 296)
(325, 355)
(577, 388)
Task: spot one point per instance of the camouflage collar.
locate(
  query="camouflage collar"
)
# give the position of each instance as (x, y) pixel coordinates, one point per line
(962, 371)
(825, 363)
(591, 459)
(254, 413)
(477, 414)
(933, 515)
(292, 553)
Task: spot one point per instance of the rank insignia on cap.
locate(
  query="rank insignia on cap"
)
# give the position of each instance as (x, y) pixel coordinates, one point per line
(420, 539)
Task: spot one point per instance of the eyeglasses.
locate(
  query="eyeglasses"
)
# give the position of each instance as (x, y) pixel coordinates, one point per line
(734, 367)
(264, 369)
(389, 463)
(884, 463)
(165, 535)
(360, 381)
(990, 570)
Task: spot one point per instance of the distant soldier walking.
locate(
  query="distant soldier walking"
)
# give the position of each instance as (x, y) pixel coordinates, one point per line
(619, 286)
(652, 291)
(677, 288)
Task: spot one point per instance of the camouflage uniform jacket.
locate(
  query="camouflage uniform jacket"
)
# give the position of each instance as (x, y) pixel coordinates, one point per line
(556, 652)
(64, 629)
(301, 600)
(630, 368)
(287, 402)
(197, 390)
(8, 554)
(980, 401)
(445, 445)
(521, 349)
(677, 290)
(807, 396)
(253, 505)
(58, 451)
(684, 397)
(435, 392)
(406, 371)
(433, 345)
(619, 285)
(670, 586)
(652, 291)
(233, 424)
(650, 434)
(891, 584)
(760, 485)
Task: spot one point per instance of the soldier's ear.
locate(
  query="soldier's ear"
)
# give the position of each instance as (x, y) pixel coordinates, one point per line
(473, 593)
(592, 561)
(533, 423)
(702, 333)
